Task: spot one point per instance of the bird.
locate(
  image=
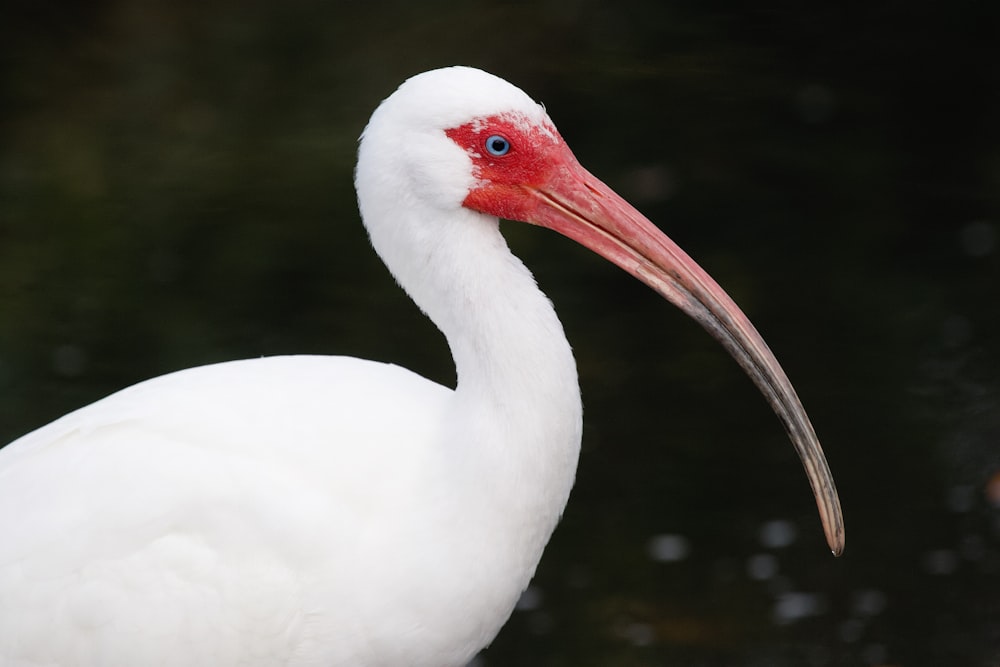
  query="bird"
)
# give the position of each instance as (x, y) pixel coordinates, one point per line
(309, 510)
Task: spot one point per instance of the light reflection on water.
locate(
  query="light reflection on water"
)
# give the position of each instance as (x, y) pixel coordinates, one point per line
(164, 207)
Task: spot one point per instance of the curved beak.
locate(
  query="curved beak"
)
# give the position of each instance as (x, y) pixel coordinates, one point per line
(574, 203)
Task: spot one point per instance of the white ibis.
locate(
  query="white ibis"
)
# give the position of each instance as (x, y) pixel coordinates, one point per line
(329, 511)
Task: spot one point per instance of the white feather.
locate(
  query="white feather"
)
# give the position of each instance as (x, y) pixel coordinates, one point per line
(315, 510)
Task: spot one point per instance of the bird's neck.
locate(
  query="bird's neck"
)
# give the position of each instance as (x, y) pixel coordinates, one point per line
(515, 430)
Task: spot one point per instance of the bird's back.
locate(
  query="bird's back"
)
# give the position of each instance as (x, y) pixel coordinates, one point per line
(192, 519)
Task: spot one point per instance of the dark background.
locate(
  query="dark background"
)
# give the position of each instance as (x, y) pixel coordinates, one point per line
(175, 189)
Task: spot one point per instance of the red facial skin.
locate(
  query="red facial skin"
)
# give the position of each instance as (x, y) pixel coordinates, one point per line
(503, 179)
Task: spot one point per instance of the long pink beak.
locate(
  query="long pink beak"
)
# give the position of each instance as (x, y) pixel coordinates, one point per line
(576, 204)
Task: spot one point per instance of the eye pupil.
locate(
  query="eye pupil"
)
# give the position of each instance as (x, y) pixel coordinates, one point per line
(497, 145)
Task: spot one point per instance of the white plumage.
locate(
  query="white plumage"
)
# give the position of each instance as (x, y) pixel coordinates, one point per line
(312, 510)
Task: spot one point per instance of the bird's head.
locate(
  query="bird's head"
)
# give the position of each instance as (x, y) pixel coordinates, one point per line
(463, 146)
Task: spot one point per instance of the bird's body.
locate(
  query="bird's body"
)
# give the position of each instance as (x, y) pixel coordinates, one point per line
(329, 511)
(284, 546)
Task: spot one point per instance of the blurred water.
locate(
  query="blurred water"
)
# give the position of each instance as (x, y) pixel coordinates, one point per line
(175, 189)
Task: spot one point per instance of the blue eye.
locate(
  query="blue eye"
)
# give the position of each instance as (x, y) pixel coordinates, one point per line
(497, 145)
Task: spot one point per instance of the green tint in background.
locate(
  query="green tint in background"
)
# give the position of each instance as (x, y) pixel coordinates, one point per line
(175, 189)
